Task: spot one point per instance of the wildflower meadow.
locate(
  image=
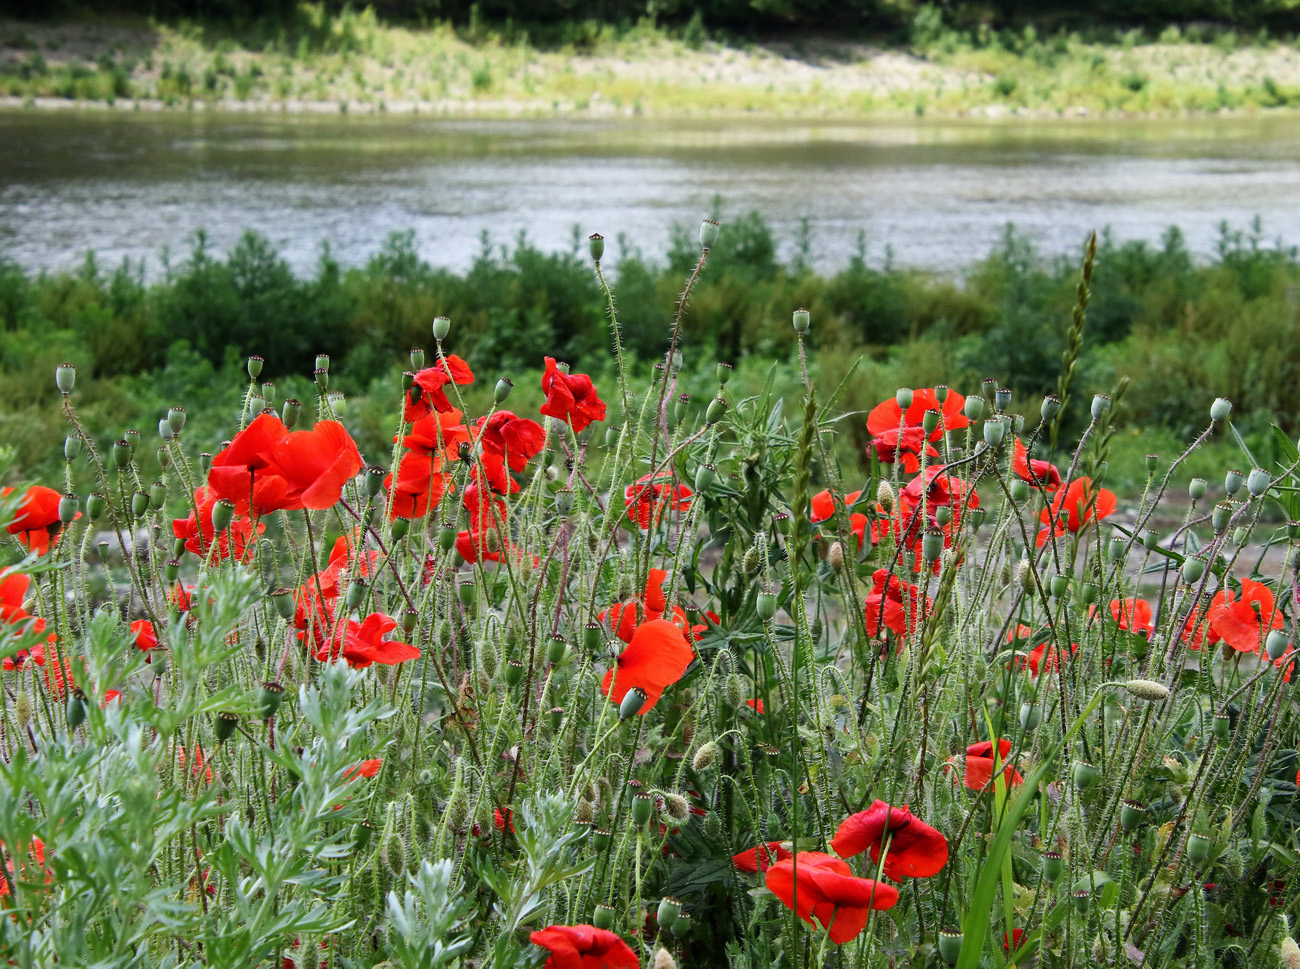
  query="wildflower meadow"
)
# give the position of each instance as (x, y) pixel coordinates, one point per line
(650, 675)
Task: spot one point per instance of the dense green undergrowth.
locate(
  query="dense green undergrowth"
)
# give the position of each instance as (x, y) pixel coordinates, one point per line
(1171, 324)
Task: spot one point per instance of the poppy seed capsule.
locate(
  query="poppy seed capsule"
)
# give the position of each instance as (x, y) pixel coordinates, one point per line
(467, 593)
(643, 806)
(930, 421)
(1232, 481)
(596, 246)
(96, 505)
(1115, 551)
(1100, 405)
(1220, 409)
(502, 391)
(164, 430)
(223, 512)
(1196, 489)
(632, 703)
(289, 412)
(931, 544)
(1131, 815)
(1089, 594)
(903, 397)
(765, 606)
(322, 379)
(994, 431)
(224, 726)
(75, 709)
(282, 599)
(1258, 482)
(602, 917)
(1031, 715)
(1052, 866)
(68, 509)
(593, 635)
(65, 378)
(716, 409)
(1276, 644)
(268, 393)
(973, 408)
(398, 527)
(1060, 585)
(1051, 406)
(950, 946)
(1081, 899)
(802, 321)
(669, 909)
(555, 717)
(1019, 489)
(709, 230)
(682, 927)
(269, 698)
(157, 495)
(356, 593)
(1198, 848)
(139, 504)
(121, 453)
(1221, 514)
(1002, 399)
(417, 358)
(557, 650)
(514, 674)
(1192, 570)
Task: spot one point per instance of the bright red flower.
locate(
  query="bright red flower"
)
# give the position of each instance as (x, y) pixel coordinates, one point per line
(441, 432)
(646, 500)
(979, 765)
(144, 636)
(1012, 942)
(427, 392)
(200, 535)
(829, 893)
(894, 605)
(571, 397)
(941, 488)
(1133, 615)
(656, 658)
(760, 858)
(13, 592)
(35, 854)
(584, 947)
(1074, 507)
(508, 442)
(421, 483)
(363, 643)
(1242, 621)
(892, 444)
(755, 704)
(1046, 658)
(916, 850)
(896, 431)
(36, 519)
(367, 768)
(1043, 473)
(623, 618)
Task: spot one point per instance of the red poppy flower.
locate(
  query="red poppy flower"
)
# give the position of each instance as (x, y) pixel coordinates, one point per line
(941, 488)
(508, 442)
(647, 500)
(441, 432)
(1242, 621)
(1197, 630)
(200, 535)
(35, 854)
(421, 483)
(655, 659)
(1133, 615)
(144, 636)
(1020, 631)
(570, 397)
(823, 507)
(503, 819)
(1074, 507)
(1012, 942)
(829, 893)
(1042, 473)
(916, 850)
(896, 431)
(894, 605)
(427, 392)
(756, 705)
(1045, 658)
(363, 643)
(623, 618)
(367, 768)
(13, 592)
(761, 857)
(979, 765)
(584, 947)
(36, 519)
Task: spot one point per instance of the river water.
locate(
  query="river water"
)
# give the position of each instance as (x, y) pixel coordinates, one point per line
(938, 194)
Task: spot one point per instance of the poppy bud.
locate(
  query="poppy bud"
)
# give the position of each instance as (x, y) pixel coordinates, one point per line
(23, 710)
(1232, 482)
(682, 927)
(1080, 900)
(467, 593)
(121, 453)
(556, 650)
(1221, 514)
(835, 556)
(753, 560)
(289, 412)
(932, 544)
(1025, 575)
(705, 756)
(734, 691)
(603, 917)
(1019, 489)
(1131, 815)
(885, 496)
(676, 807)
(765, 606)
(669, 909)
(1089, 593)
(1031, 715)
(1052, 866)
(75, 708)
(930, 420)
(1258, 482)
(903, 397)
(950, 946)
(1100, 405)
(224, 726)
(268, 699)
(65, 378)
(96, 505)
(723, 372)
(1002, 399)
(633, 701)
(1220, 409)
(708, 234)
(994, 432)
(716, 409)
(1148, 690)
(1060, 585)
(643, 806)
(1276, 644)
(67, 509)
(139, 504)
(1193, 569)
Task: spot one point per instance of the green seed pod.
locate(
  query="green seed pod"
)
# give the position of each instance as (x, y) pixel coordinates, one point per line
(283, 601)
(417, 358)
(1050, 408)
(255, 366)
(1081, 899)
(75, 708)
(973, 408)
(224, 726)
(514, 674)
(1276, 644)
(223, 513)
(1053, 865)
(1131, 815)
(1100, 405)
(441, 327)
(593, 636)
(1220, 409)
(930, 421)
(903, 397)
(269, 698)
(68, 509)
(1222, 727)
(121, 453)
(139, 504)
(322, 379)
(942, 515)
(65, 378)
(802, 321)
(643, 806)
(669, 910)
(723, 373)
(157, 495)
(556, 650)
(709, 234)
(950, 946)
(1258, 482)
(596, 246)
(555, 717)
(994, 431)
(1232, 482)
(601, 839)
(932, 544)
(1196, 489)
(171, 571)
(632, 703)
(410, 619)
(362, 832)
(765, 605)
(682, 927)
(1192, 570)
(1002, 399)
(1084, 774)
(160, 658)
(71, 448)
(398, 527)
(289, 412)
(467, 592)
(705, 475)
(715, 411)
(564, 502)
(1031, 715)
(1019, 490)
(603, 917)
(1198, 849)
(1060, 585)
(502, 391)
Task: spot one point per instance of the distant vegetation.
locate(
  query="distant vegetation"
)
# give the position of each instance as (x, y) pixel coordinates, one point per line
(1169, 323)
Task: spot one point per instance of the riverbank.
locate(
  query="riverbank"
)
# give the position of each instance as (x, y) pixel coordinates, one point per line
(355, 64)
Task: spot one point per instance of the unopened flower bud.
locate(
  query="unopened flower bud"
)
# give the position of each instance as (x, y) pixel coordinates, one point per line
(1100, 405)
(903, 397)
(1025, 575)
(708, 234)
(835, 556)
(1147, 690)
(23, 710)
(734, 691)
(663, 959)
(1258, 482)
(596, 245)
(706, 756)
(676, 808)
(65, 378)
(1220, 409)
(885, 496)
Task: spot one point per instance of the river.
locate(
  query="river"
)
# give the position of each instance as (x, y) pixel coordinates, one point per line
(936, 193)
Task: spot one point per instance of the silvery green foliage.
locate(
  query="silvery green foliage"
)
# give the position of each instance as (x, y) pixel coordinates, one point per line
(426, 924)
